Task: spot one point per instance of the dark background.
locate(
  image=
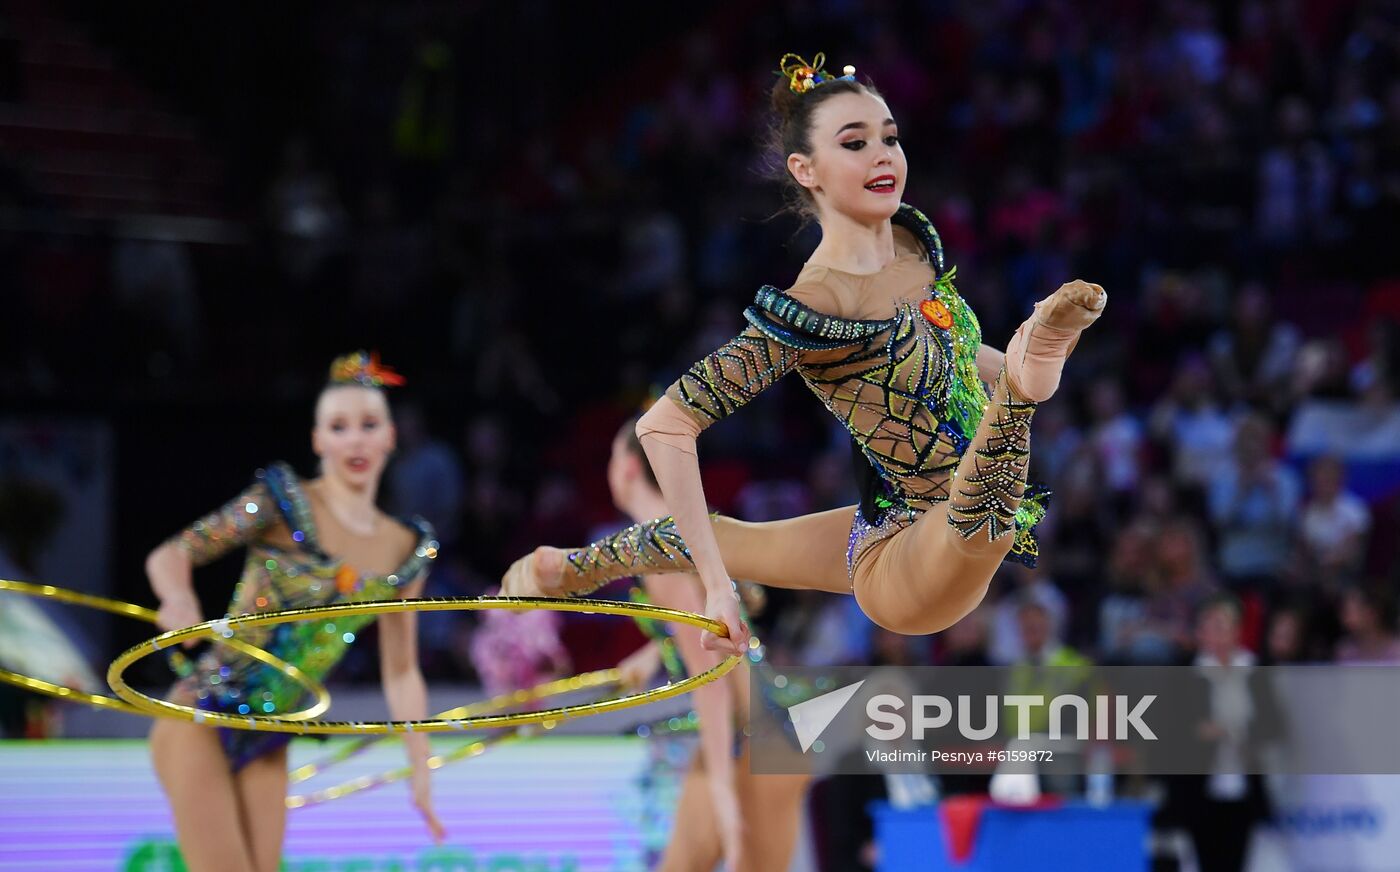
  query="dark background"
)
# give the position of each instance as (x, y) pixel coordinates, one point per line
(541, 213)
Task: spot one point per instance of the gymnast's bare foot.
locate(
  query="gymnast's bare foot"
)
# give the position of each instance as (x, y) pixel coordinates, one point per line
(1037, 353)
(539, 573)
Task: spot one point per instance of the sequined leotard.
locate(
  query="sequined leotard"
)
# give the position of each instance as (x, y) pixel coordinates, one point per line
(907, 388)
(285, 568)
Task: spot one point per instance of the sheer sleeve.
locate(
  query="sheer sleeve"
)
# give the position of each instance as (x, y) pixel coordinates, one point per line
(240, 521)
(729, 377)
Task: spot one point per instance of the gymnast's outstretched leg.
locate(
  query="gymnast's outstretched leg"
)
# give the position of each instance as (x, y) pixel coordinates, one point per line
(930, 575)
(808, 552)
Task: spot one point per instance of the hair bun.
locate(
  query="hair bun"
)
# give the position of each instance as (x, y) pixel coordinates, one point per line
(784, 100)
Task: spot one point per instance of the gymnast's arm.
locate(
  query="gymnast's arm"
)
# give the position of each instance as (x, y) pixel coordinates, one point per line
(662, 432)
(170, 566)
(407, 696)
(171, 575)
(712, 389)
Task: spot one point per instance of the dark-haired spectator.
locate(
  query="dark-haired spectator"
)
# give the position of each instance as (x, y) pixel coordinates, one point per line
(1122, 610)
(1179, 583)
(965, 643)
(1368, 618)
(1290, 637)
(1082, 529)
(1254, 357)
(1191, 422)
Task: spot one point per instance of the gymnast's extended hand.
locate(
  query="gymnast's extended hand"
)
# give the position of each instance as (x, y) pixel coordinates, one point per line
(723, 605)
(636, 670)
(171, 574)
(423, 801)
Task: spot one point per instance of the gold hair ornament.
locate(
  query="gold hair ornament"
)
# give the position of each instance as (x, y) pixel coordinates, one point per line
(803, 76)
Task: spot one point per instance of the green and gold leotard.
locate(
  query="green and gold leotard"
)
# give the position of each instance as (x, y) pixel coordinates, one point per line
(905, 387)
(285, 568)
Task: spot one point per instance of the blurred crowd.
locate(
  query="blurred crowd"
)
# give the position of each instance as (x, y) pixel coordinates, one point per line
(540, 254)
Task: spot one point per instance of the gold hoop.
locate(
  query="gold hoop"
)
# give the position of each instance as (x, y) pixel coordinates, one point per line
(322, 697)
(437, 761)
(275, 724)
(587, 680)
(666, 726)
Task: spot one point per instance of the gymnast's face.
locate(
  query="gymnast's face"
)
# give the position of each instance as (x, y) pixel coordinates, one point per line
(857, 167)
(353, 435)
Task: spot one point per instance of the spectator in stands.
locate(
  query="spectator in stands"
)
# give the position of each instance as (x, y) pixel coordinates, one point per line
(1020, 585)
(1368, 617)
(1254, 506)
(1290, 637)
(1254, 357)
(1117, 439)
(1335, 525)
(1237, 714)
(1179, 583)
(1192, 424)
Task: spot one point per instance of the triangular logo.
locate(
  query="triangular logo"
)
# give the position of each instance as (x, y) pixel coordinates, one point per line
(812, 717)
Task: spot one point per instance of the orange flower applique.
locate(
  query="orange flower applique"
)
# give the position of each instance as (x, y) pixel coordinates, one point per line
(937, 313)
(345, 579)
